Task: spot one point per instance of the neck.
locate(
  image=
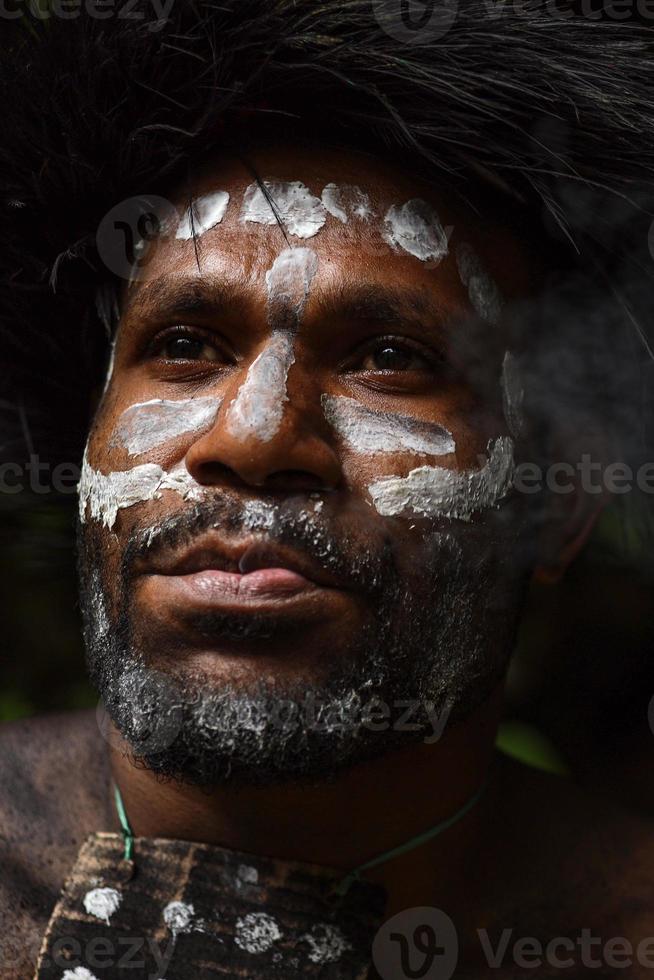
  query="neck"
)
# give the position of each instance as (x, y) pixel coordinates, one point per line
(365, 811)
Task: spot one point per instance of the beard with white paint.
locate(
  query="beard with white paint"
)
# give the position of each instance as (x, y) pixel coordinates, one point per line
(258, 409)
(146, 425)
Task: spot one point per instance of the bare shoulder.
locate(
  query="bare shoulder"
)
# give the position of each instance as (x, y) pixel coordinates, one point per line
(572, 864)
(54, 779)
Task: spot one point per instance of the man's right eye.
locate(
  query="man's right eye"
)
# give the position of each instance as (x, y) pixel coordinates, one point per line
(183, 344)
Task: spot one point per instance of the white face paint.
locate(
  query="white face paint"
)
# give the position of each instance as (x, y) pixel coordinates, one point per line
(101, 903)
(484, 295)
(301, 212)
(367, 431)
(326, 943)
(257, 932)
(208, 211)
(259, 406)
(433, 491)
(346, 201)
(415, 228)
(104, 495)
(149, 424)
(513, 394)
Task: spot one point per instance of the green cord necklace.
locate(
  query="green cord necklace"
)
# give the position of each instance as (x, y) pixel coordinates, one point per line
(348, 880)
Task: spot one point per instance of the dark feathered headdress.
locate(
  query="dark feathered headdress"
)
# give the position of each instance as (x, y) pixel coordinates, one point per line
(554, 112)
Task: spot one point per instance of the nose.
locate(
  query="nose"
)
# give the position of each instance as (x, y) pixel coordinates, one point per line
(267, 439)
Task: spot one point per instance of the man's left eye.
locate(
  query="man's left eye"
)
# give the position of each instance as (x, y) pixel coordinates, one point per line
(187, 345)
(388, 356)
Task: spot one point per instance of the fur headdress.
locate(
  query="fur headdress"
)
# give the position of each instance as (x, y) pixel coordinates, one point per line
(555, 113)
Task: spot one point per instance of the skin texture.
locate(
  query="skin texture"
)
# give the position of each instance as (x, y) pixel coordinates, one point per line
(533, 855)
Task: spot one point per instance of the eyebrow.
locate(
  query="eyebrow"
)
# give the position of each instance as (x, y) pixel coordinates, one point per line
(173, 296)
(387, 304)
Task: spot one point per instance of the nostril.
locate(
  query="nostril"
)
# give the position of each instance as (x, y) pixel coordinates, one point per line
(294, 480)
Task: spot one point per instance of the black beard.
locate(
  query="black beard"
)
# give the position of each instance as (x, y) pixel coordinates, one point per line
(432, 650)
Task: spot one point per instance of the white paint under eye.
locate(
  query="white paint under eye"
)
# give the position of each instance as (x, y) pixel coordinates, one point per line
(257, 932)
(101, 903)
(368, 431)
(145, 425)
(343, 201)
(102, 495)
(208, 211)
(484, 295)
(326, 943)
(301, 212)
(513, 394)
(415, 228)
(433, 491)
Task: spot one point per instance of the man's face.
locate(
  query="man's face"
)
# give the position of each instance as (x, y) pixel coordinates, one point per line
(296, 487)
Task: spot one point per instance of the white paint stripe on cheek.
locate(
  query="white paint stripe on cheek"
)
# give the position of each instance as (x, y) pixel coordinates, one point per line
(208, 211)
(145, 425)
(102, 496)
(433, 491)
(367, 431)
(258, 408)
(484, 295)
(301, 211)
(415, 228)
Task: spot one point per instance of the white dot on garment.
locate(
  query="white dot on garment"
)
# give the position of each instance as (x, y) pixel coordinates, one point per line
(247, 875)
(180, 917)
(256, 932)
(327, 943)
(79, 973)
(102, 903)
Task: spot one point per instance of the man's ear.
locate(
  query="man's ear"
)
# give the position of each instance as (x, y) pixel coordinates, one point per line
(571, 520)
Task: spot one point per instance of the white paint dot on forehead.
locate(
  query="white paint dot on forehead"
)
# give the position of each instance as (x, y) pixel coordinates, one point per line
(205, 212)
(101, 903)
(345, 200)
(415, 228)
(483, 293)
(104, 495)
(368, 431)
(302, 214)
(433, 491)
(145, 425)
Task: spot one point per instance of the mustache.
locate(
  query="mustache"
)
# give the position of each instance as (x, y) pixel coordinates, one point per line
(353, 556)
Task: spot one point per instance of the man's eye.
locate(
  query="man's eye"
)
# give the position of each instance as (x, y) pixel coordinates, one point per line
(185, 346)
(394, 357)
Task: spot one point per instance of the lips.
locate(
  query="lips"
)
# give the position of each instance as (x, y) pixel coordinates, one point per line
(245, 563)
